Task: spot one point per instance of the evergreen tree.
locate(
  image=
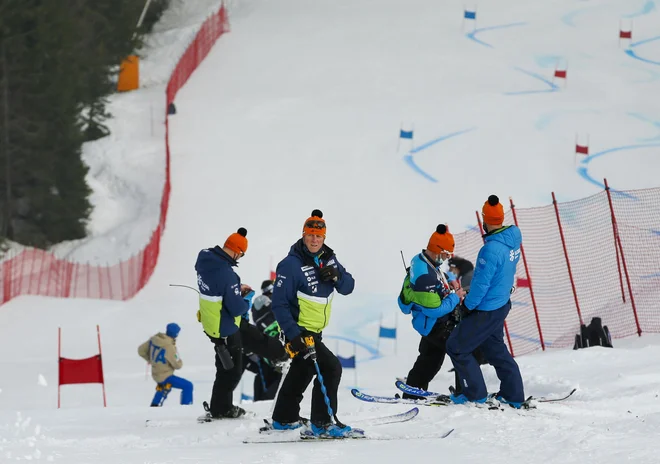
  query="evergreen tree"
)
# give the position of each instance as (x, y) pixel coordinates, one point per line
(57, 61)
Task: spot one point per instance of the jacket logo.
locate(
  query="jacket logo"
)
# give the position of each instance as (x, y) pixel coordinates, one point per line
(201, 284)
(514, 255)
(306, 268)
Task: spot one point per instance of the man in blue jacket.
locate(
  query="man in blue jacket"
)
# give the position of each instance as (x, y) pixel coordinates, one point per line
(302, 302)
(427, 295)
(222, 303)
(486, 307)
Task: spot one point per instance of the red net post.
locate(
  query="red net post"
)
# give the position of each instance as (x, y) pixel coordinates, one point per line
(531, 287)
(6, 281)
(79, 371)
(623, 258)
(568, 261)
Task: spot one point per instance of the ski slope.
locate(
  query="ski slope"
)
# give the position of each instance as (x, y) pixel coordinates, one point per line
(300, 107)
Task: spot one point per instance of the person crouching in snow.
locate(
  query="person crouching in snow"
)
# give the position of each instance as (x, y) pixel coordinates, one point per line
(160, 351)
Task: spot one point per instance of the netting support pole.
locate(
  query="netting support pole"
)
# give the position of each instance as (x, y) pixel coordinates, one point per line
(98, 334)
(617, 238)
(506, 328)
(529, 279)
(568, 261)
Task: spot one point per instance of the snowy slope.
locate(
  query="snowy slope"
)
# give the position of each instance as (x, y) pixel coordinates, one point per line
(299, 107)
(614, 416)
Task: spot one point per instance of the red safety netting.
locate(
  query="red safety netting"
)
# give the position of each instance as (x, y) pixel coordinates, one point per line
(37, 272)
(582, 259)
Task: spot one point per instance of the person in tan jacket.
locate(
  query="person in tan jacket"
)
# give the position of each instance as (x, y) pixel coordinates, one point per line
(160, 351)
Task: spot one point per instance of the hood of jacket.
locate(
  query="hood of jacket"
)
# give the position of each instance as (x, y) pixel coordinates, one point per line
(509, 236)
(213, 258)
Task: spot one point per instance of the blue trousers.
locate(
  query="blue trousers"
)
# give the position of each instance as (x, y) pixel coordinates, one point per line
(485, 330)
(166, 386)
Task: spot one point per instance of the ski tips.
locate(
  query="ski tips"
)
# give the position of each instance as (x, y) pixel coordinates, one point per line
(446, 434)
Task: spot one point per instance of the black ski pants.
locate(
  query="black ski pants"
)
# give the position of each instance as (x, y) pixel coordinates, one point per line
(431, 356)
(226, 381)
(301, 373)
(257, 342)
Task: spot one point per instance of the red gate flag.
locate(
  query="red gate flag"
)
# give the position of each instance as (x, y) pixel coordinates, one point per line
(560, 74)
(74, 371)
(583, 149)
(625, 35)
(521, 282)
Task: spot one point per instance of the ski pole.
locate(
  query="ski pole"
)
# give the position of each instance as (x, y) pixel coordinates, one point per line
(285, 371)
(311, 349)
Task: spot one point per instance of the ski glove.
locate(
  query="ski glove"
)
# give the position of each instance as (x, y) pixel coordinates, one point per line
(298, 347)
(329, 273)
(460, 312)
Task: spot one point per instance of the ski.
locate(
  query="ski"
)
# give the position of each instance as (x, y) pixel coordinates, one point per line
(380, 420)
(429, 394)
(206, 418)
(297, 438)
(553, 400)
(405, 388)
(396, 399)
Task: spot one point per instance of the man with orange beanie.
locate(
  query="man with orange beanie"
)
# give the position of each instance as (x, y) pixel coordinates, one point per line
(485, 309)
(302, 302)
(222, 303)
(428, 295)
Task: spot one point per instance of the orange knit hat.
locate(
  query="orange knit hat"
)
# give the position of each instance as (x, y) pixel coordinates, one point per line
(441, 240)
(315, 225)
(237, 242)
(493, 211)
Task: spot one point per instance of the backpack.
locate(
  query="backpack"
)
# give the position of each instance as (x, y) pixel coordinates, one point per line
(595, 334)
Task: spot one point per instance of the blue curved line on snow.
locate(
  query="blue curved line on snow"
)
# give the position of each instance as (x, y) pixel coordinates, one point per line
(473, 35)
(648, 7)
(583, 170)
(631, 53)
(553, 86)
(372, 350)
(645, 41)
(568, 17)
(644, 118)
(411, 162)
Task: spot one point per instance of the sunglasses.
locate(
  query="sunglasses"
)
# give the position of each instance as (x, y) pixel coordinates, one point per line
(315, 224)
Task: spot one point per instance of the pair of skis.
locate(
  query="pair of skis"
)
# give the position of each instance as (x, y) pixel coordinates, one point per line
(296, 436)
(429, 398)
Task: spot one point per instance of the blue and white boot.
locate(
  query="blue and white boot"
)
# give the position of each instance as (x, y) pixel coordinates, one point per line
(488, 402)
(331, 431)
(287, 425)
(276, 426)
(528, 404)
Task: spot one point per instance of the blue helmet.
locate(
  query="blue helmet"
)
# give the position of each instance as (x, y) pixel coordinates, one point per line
(172, 330)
